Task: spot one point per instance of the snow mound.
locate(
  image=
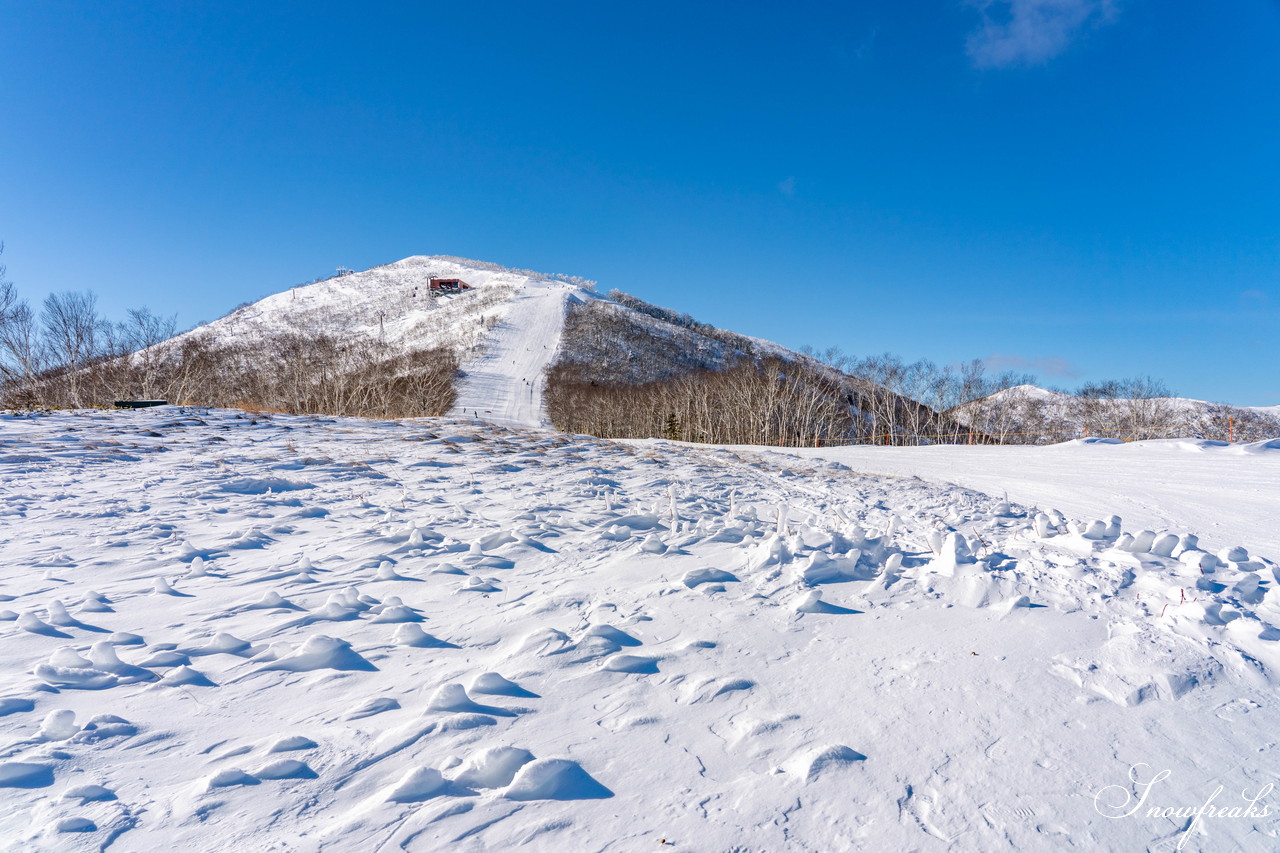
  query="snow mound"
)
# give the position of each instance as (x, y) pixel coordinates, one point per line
(21, 774)
(285, 768)
(321, 652)
(418, 784)
(1139, 666)
(813, 763)
(554, 779)
(495, 685)
(494, 767)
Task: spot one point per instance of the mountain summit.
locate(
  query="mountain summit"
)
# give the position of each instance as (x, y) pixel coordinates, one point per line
(505, 329)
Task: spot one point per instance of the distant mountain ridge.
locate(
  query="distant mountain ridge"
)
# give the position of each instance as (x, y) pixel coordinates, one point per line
(1029, 411)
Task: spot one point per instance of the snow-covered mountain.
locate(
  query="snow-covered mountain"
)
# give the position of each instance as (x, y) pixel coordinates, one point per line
(506, 330)
(392, 303)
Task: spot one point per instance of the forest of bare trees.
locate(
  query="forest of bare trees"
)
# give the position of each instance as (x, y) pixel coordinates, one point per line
(773, 402)
(650, 372)
(66, 355)
(297, 374)
(915, 402)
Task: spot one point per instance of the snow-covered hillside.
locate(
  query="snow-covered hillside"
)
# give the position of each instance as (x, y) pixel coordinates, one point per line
(1063, 401)
(506, 331)
(390, 302)
(1029, 407)
(613, 343)
(226, 632)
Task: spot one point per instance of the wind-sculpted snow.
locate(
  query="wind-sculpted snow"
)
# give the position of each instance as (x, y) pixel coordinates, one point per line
(225, 631)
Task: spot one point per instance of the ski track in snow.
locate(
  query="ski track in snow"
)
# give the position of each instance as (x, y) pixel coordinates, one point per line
(223, 631)
(504, 384)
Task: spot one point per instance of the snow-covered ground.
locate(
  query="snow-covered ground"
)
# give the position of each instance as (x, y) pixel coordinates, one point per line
(505, 383)
(223, 632)
(1225, 493)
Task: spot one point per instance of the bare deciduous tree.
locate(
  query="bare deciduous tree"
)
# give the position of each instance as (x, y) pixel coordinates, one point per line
(70, 327)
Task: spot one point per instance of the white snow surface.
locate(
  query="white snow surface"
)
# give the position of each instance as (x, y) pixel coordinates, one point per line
(505, 383)
(231, 632)
(1227, 493)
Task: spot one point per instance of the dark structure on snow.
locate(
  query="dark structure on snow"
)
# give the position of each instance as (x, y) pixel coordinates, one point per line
(139, 404)
(443, 286)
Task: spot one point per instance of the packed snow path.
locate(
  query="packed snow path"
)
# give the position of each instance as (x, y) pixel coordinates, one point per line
(504, 385)
(224, 631)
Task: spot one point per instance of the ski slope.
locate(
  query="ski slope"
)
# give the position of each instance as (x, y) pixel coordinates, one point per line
(504, 384)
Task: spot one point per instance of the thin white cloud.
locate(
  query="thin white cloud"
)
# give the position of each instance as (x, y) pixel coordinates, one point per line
(1030, 32)
(1053, 365)
(1253, 299)
(787, 186)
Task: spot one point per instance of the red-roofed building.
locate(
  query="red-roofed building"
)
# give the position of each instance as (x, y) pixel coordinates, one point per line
(441, 286)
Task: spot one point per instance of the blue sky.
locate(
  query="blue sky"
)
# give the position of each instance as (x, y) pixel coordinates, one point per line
(1081, 188)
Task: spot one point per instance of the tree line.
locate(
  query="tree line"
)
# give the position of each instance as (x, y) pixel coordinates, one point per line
(652, 373)
(770, 402)
(67, 355)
